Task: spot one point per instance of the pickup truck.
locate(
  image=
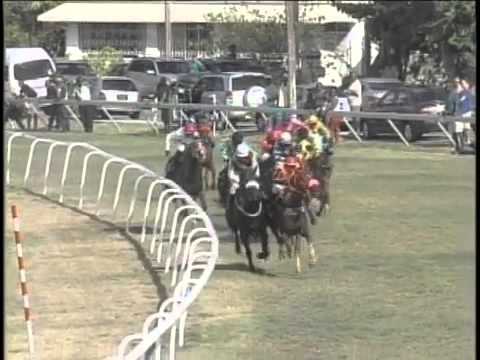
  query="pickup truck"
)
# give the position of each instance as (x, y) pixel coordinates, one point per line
(147, 71)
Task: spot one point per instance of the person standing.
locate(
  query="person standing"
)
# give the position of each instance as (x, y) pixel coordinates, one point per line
(27, 92)
(51, 110)
(61, 115)
(163, 94)
(463, 108)
(81, 92)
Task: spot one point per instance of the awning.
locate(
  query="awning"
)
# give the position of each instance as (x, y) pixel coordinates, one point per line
(180, 12)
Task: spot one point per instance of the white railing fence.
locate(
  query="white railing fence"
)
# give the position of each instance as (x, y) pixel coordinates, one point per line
(176, 232)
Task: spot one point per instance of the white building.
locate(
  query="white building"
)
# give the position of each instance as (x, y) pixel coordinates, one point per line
(137, 27)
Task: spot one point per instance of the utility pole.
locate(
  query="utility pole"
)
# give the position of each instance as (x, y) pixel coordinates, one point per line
(292, 53)
(168, 31)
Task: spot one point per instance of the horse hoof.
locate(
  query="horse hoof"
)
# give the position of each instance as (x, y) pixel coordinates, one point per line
(263, 255)
(238, 251)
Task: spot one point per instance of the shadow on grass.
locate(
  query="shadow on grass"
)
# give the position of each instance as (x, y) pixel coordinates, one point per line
(162, 292)
(244, 268)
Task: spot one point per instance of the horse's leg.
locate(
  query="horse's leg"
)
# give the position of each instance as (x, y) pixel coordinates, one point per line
(213, 170)
(265, 250)
(298, 262)
(312, 257)
(238, 248)
(246, 243)
(288, 243)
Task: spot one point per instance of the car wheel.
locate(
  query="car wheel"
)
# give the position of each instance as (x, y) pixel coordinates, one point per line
(135, 115)
(409, 133)
(366, 130)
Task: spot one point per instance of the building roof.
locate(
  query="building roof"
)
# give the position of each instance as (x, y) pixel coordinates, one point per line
(180, 11)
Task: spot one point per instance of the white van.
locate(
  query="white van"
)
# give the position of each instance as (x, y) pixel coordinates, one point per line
(32, 65)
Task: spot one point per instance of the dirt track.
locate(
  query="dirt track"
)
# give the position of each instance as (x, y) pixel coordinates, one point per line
(88, 287)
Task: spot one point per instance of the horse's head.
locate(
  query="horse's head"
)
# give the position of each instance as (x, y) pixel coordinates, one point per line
(198, 151)
(251, 192)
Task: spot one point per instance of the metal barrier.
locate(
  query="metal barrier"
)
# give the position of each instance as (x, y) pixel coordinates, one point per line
(223, 110)
(191, 255)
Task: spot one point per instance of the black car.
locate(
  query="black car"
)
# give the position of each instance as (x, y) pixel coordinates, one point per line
(406, 100)
(70, 70)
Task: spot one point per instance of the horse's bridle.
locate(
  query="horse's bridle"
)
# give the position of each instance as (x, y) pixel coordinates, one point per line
(242, 210)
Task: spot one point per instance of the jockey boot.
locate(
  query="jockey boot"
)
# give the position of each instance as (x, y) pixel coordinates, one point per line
(311, 215)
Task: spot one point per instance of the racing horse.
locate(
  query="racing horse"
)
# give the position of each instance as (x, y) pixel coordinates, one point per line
(247, 220)
(185, 169)
(290, 220)
(208, 163)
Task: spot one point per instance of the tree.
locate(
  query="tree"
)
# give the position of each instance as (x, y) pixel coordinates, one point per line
(394, 25)
(104, 60)
(23, 29)
(443, 30)
(451, 37)
(253, 31)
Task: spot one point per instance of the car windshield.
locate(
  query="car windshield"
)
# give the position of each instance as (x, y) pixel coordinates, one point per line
(74, 69)
(424, 95)
(247, 81)
(173, 67)
(382, 86)
(32, 70)
(214, 84)
(119, 85)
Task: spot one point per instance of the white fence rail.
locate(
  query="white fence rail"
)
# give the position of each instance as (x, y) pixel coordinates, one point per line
(188, 253)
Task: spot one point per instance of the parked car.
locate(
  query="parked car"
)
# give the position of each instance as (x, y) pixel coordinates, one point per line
(70, 70)
(146, 72)
(370, 90)
(118, 88)
(119, 69)
(30, 65)
(234, 88)
(407, 100)
(230, 65)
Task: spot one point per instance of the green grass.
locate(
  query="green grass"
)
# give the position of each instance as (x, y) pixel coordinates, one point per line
(395, 276)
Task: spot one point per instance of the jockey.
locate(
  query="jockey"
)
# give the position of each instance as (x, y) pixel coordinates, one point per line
(183, 135)
(228, 148)
(243, 166)
(309, 143)
(320, 131)
(290, 174)
(205, 131)
(283, 147)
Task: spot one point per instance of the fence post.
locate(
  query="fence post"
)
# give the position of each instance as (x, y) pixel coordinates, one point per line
(23, 279)
(111, 119)
(352, 130)
(446, 133)
(398, 132)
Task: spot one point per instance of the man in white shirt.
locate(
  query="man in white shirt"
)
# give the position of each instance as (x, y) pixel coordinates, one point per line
(82, 92)
(356, 100)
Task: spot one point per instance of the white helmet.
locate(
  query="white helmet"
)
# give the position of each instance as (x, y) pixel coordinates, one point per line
(286, 138)
(242, 150)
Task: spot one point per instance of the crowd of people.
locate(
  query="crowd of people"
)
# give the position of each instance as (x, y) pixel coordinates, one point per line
(18, 107)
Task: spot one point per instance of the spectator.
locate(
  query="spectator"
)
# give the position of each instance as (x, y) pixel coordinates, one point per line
(61, 94)
(163, 94)
(82, 92)
(27, 92)
(51, 110)
(463, 107)
(13, 108)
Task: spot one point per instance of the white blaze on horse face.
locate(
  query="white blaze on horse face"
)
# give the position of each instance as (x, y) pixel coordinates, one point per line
(253, 184)
(181, 147)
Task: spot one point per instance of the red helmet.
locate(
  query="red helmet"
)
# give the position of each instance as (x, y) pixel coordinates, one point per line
(291, 161)
(313, 183)
(189, 129)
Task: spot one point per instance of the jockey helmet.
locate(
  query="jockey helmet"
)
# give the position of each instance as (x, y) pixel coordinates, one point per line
(291, 161)
(286, 138)
(313, 183)
(189, 129)
(242, 151)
